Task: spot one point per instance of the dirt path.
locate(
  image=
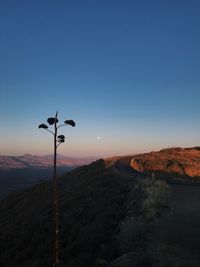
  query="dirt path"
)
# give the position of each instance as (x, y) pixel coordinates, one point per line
(180, 227)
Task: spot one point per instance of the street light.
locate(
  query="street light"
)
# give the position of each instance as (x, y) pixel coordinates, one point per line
(58, 140)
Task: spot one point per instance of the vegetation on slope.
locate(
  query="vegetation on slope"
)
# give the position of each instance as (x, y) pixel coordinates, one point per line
(96, 204)
(172, 162)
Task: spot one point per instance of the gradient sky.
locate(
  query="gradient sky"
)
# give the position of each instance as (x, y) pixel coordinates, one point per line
(126, 71)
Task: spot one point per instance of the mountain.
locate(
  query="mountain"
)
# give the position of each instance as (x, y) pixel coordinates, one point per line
(33, 161)
(110, 215)
(20, 172)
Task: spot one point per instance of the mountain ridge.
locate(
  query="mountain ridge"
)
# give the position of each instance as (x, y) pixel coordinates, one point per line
(176, 161)
(35, 161)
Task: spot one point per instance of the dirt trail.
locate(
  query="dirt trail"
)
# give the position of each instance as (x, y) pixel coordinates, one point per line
(180, 226)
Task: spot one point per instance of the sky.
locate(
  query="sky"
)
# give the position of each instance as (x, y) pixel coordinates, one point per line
(126, 71)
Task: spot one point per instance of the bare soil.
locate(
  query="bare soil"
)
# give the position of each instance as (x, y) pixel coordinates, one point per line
(179, 227)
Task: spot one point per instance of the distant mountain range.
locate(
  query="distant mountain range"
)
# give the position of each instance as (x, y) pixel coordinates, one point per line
(34, 161)
(20, 172)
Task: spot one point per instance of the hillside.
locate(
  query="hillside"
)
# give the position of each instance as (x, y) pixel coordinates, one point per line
(110, 214)
(171, 162)
(94, 200)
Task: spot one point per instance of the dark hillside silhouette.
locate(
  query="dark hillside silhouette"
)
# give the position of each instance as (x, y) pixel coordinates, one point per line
(110, 215)
(13, 180)
(94, 200)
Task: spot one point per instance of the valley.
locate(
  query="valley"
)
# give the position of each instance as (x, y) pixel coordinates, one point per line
(20, 172)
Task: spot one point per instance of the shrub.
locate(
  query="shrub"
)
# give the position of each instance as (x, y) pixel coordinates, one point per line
(135, 228)
(154, 195)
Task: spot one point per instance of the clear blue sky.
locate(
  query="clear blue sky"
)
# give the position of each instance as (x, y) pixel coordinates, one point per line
(126, 71)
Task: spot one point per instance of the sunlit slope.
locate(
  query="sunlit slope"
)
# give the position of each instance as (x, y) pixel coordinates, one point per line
(183, 162)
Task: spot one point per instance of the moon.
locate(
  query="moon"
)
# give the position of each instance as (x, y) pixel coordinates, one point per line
(98, 137)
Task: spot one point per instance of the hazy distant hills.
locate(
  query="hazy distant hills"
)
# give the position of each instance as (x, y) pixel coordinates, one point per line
(20, 172)
(33, 161)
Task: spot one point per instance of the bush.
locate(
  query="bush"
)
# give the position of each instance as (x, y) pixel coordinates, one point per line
(136, 228)
(154, 192)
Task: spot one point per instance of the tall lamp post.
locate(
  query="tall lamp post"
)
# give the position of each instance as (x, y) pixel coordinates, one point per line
(58, 140)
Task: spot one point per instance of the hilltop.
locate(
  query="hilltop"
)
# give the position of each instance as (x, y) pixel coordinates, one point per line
(170, 162)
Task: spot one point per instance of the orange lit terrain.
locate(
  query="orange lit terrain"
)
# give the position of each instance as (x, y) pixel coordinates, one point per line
(182, 162)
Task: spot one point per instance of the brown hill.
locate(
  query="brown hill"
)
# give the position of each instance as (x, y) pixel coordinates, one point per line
(183, 162)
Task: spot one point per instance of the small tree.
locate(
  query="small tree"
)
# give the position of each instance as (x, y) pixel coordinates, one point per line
(58, 140)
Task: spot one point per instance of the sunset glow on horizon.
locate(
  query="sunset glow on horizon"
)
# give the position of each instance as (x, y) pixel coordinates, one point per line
(126, 72)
